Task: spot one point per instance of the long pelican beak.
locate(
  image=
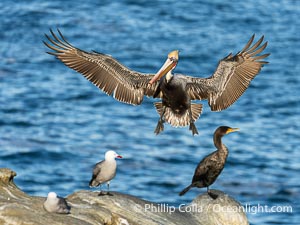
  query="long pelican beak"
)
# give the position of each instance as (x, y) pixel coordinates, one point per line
(230, 130)
(169, 64)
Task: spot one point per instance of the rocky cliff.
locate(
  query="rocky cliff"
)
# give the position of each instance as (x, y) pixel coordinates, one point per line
(87, 208)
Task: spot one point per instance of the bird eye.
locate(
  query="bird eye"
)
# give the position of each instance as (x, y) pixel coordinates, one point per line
(173, 59)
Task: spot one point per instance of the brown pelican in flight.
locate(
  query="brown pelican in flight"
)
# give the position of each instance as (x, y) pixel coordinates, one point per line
(229, 81)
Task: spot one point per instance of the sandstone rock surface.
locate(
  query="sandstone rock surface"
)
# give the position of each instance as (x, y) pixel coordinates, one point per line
(16, 207)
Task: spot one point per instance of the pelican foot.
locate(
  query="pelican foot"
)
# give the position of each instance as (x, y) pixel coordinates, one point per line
(159, 128)
(193, 128)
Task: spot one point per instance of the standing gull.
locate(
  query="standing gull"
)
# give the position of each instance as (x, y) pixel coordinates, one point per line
(55, 204)
(212, 165)
(230, 80)
(105, 170)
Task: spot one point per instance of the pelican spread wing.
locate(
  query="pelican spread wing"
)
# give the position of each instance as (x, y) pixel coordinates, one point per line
(229, 81)
(231, 78)
(103, 71)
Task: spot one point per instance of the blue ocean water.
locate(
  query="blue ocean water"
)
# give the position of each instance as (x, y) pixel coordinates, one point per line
(55, 125)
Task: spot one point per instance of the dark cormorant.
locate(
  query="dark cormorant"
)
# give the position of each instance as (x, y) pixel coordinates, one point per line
(212, 165)
(229, 81)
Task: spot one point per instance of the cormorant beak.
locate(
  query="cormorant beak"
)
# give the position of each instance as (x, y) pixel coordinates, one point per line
(169, 64)
(230, 130)
(119, 157)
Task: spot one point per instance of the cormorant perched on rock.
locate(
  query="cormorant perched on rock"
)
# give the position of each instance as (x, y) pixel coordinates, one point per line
(212, 165)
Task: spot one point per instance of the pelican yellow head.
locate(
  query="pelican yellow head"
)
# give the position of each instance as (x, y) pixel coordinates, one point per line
(169, 64)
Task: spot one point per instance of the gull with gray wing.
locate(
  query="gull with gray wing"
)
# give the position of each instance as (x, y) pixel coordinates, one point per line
(55, 204)
(105, 171)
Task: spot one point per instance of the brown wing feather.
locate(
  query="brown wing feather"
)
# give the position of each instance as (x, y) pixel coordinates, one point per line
(231, 78)
(103, 71)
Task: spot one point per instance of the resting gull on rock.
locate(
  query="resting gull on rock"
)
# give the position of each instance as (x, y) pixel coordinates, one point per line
(55, 204)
